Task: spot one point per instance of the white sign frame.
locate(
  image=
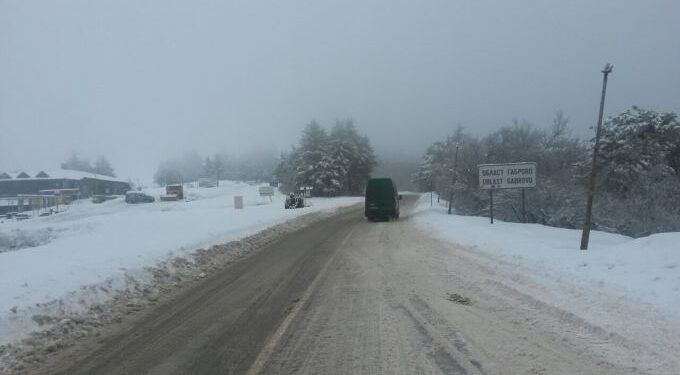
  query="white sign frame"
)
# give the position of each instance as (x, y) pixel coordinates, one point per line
(266, 191)
(507, 175)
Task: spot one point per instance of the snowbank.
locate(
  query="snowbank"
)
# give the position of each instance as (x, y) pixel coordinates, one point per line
(112, 242)
(648, 268)
(630, 287)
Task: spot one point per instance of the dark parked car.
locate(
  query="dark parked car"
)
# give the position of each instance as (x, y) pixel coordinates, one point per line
(382, 199)
(138, 197)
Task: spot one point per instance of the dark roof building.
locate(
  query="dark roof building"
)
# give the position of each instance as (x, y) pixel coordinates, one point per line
(88, 183)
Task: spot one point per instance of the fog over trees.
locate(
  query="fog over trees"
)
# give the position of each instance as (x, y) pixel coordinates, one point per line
(399, 166)
(101, 166)
(255, 165)
(638, 183)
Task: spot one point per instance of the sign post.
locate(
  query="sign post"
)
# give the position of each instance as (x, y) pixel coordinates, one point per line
(507, 176)
(267, 191)
(524, 206)
(491, 205)
(585, 235)
(306, 191)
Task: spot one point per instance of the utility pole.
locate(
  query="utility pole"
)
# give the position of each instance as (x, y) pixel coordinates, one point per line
(453, 177)
(585, 236)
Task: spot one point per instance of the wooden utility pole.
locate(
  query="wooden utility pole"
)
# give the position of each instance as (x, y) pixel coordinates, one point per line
(491, 204)
(453, 178)
(585, 236)
(524, 206)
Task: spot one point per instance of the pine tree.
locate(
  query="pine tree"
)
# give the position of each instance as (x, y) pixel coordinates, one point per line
(355, 154)
(285, 171)
(425, 176)
(218, 168)
(311, 153)
(75, 163)
(332, 164)
(208, 168)
(103, 167)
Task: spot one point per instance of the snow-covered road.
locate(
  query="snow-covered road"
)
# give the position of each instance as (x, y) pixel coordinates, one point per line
(430, 293)
(397, 300)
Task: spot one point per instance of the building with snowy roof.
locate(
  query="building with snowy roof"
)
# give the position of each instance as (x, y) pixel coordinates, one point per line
(50, 182)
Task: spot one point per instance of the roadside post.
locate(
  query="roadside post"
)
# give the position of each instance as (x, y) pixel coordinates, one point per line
(524, 206)
(585, 235)
(507, 176)
(238, 202)
(431, 188)
(491, 204)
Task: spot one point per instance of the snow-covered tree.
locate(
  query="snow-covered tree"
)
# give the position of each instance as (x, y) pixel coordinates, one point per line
(168, 172)
(218, 168)
(103, 167)
(75, 163)
(312, 149)
(639, 143)
(431, 167)
(332, 164)
(353, 154)
(285, 171)
(639, 179)
(208, 168)
(638, 187)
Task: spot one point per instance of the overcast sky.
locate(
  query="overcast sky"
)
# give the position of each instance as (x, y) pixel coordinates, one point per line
(139, 80)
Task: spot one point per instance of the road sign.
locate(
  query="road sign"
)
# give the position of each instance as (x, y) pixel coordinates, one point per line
(507, 176)
(307, 191)
(266, 191)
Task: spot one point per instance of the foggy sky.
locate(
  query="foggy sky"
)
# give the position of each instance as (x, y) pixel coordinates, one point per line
(139, 81)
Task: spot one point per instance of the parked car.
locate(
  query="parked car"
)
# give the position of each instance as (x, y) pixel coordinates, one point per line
(382, 199)
(138, 197)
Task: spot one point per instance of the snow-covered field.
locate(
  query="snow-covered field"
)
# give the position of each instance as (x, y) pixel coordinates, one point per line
(631, 286)
(52, 258)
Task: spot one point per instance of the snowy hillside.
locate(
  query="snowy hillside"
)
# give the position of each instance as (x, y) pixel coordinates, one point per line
(629, 285)
(45, 259)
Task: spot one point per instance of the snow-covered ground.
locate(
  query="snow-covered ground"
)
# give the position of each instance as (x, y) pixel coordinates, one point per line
(631, 286)
(49, 259)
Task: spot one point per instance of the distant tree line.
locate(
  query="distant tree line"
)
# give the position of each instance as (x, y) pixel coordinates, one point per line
(254, 165)
(332, 163)
(399, 166)
(638, 185)
(101, 166)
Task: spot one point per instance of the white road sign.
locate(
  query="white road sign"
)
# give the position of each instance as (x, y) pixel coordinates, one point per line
(507, 176)
(266, 191)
